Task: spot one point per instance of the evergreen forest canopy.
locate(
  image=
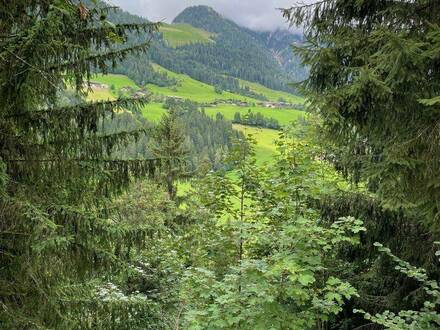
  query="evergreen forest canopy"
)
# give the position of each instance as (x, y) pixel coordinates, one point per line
(110, 220)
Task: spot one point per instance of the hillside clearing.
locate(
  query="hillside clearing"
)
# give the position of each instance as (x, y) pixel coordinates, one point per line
(272, 95)
(153, 112)
(283, 116)
(117, 80)
(177, 35)
(266, 149)
(193, 90)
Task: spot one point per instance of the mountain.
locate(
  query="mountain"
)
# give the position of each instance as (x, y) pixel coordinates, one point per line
(269, 52)
(210, 48)
(279, 43)
(273, 46)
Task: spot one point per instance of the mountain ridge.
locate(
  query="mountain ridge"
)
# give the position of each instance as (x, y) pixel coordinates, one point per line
(235, 53)
(278, 42)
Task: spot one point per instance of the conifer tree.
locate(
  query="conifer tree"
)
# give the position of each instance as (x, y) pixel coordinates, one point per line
(374, 81)
(375, 78)
(57, 242)
(169, 145)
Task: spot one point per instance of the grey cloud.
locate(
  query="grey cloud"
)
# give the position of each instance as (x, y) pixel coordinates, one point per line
(254, 14)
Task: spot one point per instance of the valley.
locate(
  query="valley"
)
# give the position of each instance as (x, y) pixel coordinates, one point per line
(238, 167)
(212, 103)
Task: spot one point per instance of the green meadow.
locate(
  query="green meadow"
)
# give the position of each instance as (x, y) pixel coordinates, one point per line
(197, 91)
(265, 138)
(100, 95)
(153, 112)
(177, 35)
(117, 80)
(284, 116)
(272, 95)
(192, 89)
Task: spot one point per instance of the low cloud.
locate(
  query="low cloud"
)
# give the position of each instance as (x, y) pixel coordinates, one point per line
(254, 14)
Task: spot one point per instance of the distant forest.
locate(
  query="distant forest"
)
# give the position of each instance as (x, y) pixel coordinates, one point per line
(192, 222)
(236, 53)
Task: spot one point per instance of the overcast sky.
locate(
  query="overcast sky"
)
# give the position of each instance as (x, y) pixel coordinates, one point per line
(254, 14)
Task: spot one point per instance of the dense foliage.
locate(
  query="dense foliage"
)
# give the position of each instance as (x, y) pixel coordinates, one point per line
(374, 82)
(206, 140)
(374, 77)
(426, 318)
(168, 144)
(88, 241)
(270, 263)
(58, 242)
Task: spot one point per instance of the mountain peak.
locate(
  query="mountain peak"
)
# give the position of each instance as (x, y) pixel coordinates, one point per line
(196, 12)
(203, 8)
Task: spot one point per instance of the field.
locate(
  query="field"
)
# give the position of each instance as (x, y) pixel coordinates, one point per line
(100, 95)
(178, 35)
(117, 80)
(265, 149)
(284, 116)
(153, 112)
(191, 89)
(194, 90)
(203, 93)
(271, 94)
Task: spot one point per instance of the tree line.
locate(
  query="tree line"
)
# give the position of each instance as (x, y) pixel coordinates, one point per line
(213, 64)
(339, 231)
(256, 120)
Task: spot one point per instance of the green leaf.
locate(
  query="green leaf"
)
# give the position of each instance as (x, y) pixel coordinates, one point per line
(306, 279)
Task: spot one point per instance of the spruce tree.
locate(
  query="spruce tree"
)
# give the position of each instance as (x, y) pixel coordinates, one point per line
(57, 240)
(375, 80)
(169, 145)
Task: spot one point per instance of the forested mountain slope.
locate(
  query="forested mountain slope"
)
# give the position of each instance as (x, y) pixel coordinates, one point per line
(329, 222)
(209, 48)
(279, 43)
(238, 51)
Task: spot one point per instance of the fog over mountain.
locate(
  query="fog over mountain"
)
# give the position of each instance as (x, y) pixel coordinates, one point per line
(260, 15)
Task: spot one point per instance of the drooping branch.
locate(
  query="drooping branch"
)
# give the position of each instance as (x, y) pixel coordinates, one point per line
(108, 106)
(100, 60)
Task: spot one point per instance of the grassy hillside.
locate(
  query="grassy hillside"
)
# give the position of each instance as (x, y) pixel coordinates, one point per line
(100, 95)
(194, 90)
(266, 148)
(265, 138)
(284, 116)
(153, 112)
(184, 34)
(191, 89)
(271, 94)
(200, 92)
(104, 93)
(117, 80)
